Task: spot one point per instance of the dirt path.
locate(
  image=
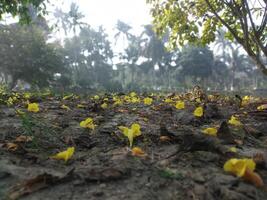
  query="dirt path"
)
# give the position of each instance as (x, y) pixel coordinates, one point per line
(180, 162)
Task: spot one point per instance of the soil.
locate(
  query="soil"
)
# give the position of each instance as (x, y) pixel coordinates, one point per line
(180, 162)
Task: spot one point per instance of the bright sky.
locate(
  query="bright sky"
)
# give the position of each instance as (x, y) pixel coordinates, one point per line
(107, 12)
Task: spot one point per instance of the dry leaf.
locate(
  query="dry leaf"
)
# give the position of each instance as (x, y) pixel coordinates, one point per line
(253, 177)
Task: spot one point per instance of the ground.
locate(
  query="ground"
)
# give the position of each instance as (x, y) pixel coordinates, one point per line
(178, 160)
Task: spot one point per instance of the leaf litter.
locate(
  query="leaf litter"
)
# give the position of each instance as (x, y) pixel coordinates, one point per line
(174, 146)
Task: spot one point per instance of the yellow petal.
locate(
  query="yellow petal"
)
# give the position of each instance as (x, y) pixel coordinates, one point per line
(262, 107)
(124, 130)
(33, 107)
(148, 101)
(104, 105)
(198, 112)
(130, 137)
(88, 123)
(234, 121)
(179, 105)
(239, 166)
(65, 107)
(136, 129)
(233, 149)
(64, 155)
(210, 131)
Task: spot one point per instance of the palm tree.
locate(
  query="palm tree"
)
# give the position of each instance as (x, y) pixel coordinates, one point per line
(123, 31)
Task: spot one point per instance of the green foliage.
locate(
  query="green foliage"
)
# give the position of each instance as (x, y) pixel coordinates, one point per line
(25, 55)
(196, 22)
(196, 61)
(22, 8)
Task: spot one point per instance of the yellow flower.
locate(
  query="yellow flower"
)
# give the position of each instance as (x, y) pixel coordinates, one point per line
(233, 149)
(168, 100)
(68, 97)
(131, 133)
(135, 100)
(96, 97)
(239, 166)
(80, 106)
(64, 155)
(132, 94)
(234, 121)
(246, 100)
(104, 105)
(198, 100)
(33, 107)
(65, 107)
(27, 95)
(198, 112)
(210, 131)
(179, 105)
(117, 102)
(262, 107)
(88, 123)
(148, 101)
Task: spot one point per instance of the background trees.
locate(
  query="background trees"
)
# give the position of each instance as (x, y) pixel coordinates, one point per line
(85, 57)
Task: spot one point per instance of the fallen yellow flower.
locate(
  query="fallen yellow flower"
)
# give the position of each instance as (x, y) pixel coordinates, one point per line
(88, 123)
(96, 97)
(234, 121)
(239, 166)
(262, 107)
(104, 105)
(64, 155)
(33, 107)
(65, 107)
(148, 101)
(233, 149)
(210, 131)
(198, 112)
(131, 133)
(179, 105)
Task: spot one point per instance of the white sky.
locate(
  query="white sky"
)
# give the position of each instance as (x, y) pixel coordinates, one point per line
(107, 12)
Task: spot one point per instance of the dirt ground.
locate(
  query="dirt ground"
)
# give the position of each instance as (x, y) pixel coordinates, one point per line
(180, 162)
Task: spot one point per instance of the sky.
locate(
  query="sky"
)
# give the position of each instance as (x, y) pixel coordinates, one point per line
(108, 12)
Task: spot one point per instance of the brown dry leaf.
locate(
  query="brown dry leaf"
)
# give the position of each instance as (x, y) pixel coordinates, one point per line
(36, 183)
(23, 138)
(253, 177)
(136, 151)
(164, 138)
(11, 146)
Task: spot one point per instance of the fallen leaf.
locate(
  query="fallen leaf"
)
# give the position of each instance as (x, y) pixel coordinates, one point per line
(136, 151)
(11, 146)
(253, 177)
(23, 138)
(37, 183)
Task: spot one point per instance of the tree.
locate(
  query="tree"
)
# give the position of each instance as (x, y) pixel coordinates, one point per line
(21, 8)
(197, 21)
(89, 55)
(26, 56)
(196, 62)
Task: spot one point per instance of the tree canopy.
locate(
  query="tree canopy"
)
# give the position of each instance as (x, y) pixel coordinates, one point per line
(197, 21)
(21, 8)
